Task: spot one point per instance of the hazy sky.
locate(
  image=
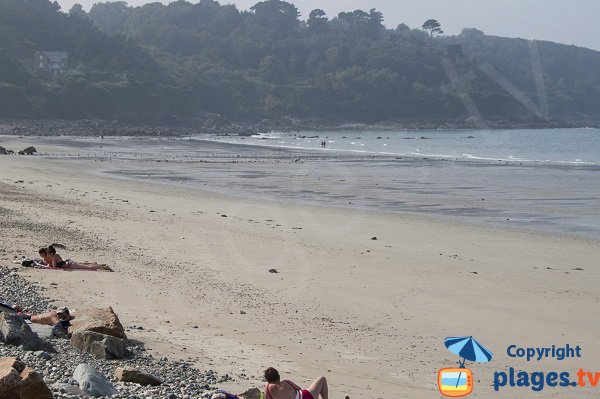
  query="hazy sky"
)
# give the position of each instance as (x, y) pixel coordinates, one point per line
(570, 22)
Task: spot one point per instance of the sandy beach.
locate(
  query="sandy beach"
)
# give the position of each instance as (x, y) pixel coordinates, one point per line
(192, 269)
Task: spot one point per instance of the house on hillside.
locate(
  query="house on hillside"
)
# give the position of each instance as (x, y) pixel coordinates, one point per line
(52, 61)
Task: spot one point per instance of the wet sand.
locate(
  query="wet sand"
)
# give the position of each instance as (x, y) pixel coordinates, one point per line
(369, 314)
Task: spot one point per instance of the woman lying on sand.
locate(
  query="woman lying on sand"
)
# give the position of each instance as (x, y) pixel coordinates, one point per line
(55, 261)
(277, 389)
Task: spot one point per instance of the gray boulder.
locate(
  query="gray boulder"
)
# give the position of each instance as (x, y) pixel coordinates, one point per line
(93, 382)
(16, 332)
(100, 345)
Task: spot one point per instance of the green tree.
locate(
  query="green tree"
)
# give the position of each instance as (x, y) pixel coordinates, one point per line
(110, 16)
(317, 20)
(277, 15)
(434, 27)
(77, 9)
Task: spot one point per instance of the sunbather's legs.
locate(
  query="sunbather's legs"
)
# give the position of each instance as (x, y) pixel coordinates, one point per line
(86, 266)
(319, 387)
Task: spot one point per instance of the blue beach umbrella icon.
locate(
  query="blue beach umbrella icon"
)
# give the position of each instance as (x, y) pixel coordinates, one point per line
(469, 349)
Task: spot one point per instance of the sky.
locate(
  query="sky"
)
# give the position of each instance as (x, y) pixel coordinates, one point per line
(562, 21)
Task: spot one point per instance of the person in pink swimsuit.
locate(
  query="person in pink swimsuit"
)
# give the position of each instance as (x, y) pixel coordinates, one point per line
(277, 389)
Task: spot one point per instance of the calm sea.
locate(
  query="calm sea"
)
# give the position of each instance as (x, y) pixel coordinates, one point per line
(565, 146)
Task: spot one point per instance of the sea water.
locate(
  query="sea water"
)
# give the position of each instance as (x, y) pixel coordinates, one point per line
(565, 146)
(534, 179)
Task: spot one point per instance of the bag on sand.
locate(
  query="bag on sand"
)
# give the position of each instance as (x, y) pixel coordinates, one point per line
(252, 393)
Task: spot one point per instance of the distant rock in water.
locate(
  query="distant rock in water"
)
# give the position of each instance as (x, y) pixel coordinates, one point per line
(3, 151)
(28, 151)
(273, 271)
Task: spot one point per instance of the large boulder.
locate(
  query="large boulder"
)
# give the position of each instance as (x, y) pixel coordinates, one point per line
(138, 377)
(100, 320)
(16, 332)
(100, 345)
(93, 382)
(20, 382)
(28, 151)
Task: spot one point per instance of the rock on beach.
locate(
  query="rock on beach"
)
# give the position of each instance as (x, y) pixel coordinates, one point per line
(20, 382)
(99, 320)
(125, 374)
(100, 345)
(92, 382)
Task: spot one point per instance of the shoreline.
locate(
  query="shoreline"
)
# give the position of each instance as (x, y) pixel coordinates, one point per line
(522, 196)
(180, 262)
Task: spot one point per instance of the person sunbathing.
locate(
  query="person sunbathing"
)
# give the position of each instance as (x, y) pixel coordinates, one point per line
(51, 318)
(60, 319)
(55, 261)
(277, 389)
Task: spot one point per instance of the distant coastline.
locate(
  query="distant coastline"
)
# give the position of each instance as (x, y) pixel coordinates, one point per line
(221, 126)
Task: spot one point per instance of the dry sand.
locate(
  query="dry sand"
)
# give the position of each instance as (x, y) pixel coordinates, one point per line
(371, 315)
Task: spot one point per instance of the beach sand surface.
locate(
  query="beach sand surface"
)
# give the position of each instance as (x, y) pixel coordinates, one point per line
(192, 269)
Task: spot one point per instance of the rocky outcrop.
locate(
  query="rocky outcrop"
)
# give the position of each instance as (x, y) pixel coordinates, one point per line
(16, 332)
(137, 377)
(100, 320)
(28, 151)
(100, 345)
(98, 332)
(93, 382)
(20, 382)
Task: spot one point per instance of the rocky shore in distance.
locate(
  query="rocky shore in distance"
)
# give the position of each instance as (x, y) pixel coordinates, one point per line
(223, 126)
(62, 368)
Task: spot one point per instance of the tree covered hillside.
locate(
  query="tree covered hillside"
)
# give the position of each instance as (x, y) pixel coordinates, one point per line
(182, 62)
